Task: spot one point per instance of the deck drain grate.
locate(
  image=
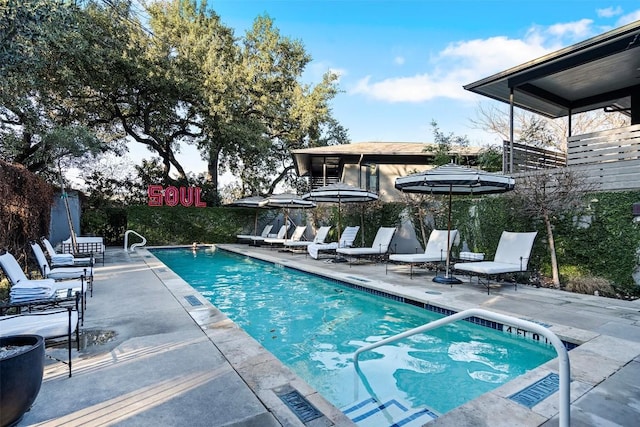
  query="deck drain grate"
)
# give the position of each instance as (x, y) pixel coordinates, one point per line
(300, 406)
(537, 392)
(191, 299)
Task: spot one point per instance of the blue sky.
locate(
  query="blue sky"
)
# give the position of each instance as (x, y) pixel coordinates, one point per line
(403, 63)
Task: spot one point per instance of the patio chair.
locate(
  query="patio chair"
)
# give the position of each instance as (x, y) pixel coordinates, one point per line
(379, 247)
(65, 260)
(512, 256)
(62, 273)
(320, 237)
(265, 233)
(49, 324)
(435, 251)
(346, 240)
(295, 237)
(24, 289)
(282, 233)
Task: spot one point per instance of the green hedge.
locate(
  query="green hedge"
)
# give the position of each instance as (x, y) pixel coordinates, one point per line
(600, 240)
(184, 225)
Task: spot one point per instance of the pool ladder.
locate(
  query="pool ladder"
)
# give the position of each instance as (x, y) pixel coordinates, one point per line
(563, 355)
(135, 245)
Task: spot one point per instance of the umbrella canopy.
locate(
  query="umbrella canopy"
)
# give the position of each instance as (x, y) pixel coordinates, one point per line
(454, 179)
(251, 202)
(340, 193)
(288, 201)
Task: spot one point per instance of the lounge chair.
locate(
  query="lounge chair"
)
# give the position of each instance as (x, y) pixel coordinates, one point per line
(49, 324)
(85, 274)
(378, 248)
(295, 237)
(282, 233)
(265, 233)
(346, 240)
(512, 256)
(25, 290)
(435, 252)
(65, 260)
(88, 245)
(319, 238)
(59, 273)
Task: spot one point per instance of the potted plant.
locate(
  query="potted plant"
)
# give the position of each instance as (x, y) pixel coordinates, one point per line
(21, 370)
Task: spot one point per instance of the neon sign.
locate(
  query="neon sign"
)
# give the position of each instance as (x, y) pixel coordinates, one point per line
(171, 196)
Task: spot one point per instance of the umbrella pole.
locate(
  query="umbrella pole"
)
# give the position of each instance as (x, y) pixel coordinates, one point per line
(449, 280)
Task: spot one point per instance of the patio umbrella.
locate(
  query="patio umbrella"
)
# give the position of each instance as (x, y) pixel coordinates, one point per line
(288, 201)
(341, 193)
(454, 179)
(251, 202)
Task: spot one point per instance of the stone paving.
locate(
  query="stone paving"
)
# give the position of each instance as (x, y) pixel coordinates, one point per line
(150, 357)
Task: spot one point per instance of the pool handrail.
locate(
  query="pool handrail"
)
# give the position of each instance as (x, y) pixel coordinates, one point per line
(135, 245)
(563, 355)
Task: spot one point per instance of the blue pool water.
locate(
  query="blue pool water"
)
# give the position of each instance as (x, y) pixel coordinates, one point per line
(314, 325)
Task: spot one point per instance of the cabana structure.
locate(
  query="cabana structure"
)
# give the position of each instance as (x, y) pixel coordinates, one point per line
(599, 73)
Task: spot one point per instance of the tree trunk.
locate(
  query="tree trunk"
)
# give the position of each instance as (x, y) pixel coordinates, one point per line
(552, 250)
(212, 168)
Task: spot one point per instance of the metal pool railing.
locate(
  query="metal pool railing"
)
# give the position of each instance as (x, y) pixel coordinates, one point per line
(563, 355)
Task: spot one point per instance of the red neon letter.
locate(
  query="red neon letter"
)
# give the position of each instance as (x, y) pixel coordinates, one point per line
(199, 204)
(186, 196)
(155, 195)
(171, 196)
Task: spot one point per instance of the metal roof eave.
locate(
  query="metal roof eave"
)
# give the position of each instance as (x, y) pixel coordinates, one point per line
(570, 58)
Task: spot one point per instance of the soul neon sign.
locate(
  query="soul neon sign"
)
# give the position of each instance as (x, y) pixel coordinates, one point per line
(171, 196)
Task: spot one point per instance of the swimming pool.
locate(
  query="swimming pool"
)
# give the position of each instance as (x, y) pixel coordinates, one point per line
(314, 325)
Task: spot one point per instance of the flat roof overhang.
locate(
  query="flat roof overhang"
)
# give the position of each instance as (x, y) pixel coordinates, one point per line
(601, 72)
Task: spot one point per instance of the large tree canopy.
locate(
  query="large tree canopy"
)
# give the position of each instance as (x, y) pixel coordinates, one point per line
(77, 80)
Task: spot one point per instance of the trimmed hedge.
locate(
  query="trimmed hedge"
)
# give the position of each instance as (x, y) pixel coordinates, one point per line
(180, 225)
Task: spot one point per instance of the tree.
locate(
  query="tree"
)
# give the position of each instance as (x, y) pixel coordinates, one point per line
(495, 119)
(445, 144)
(548, 195)
(43, 55)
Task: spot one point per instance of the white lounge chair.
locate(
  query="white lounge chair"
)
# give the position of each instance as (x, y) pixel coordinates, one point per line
(435, 251)
(60, 273)
(48, 324)
(265, 233)
(25, 290)
(90, 245)
(346, 240)
(379, 247)
(65, 260)
(295, 237)
(320, 237)
(512, 256)
(258, 240)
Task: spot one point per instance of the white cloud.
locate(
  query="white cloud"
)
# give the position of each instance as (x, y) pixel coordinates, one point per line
(464, 62)
(458, 64)
(579, 29)
(629, 18)
(609, 12)
(399, 60)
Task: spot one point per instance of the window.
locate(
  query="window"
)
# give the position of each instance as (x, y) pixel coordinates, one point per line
(372, 182)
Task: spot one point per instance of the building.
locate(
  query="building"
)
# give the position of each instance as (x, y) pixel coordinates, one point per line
(373, 166)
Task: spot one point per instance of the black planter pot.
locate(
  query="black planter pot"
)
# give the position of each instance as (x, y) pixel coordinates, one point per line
(20, 377)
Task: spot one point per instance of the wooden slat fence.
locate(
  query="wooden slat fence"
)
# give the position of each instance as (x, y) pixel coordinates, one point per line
(610, 159)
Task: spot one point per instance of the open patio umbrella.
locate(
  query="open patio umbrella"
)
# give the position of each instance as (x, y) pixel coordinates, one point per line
(341, 193)
(288, 201)
(454, 179)
(256, 202)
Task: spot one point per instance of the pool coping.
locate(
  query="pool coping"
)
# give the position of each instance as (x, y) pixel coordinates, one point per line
(597, 358)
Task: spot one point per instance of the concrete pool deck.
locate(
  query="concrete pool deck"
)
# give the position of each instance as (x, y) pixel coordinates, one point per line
(155, 352)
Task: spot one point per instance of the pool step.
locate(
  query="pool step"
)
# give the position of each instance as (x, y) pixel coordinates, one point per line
(390, 412)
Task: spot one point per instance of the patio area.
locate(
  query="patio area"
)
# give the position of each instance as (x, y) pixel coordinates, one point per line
(154, 352)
